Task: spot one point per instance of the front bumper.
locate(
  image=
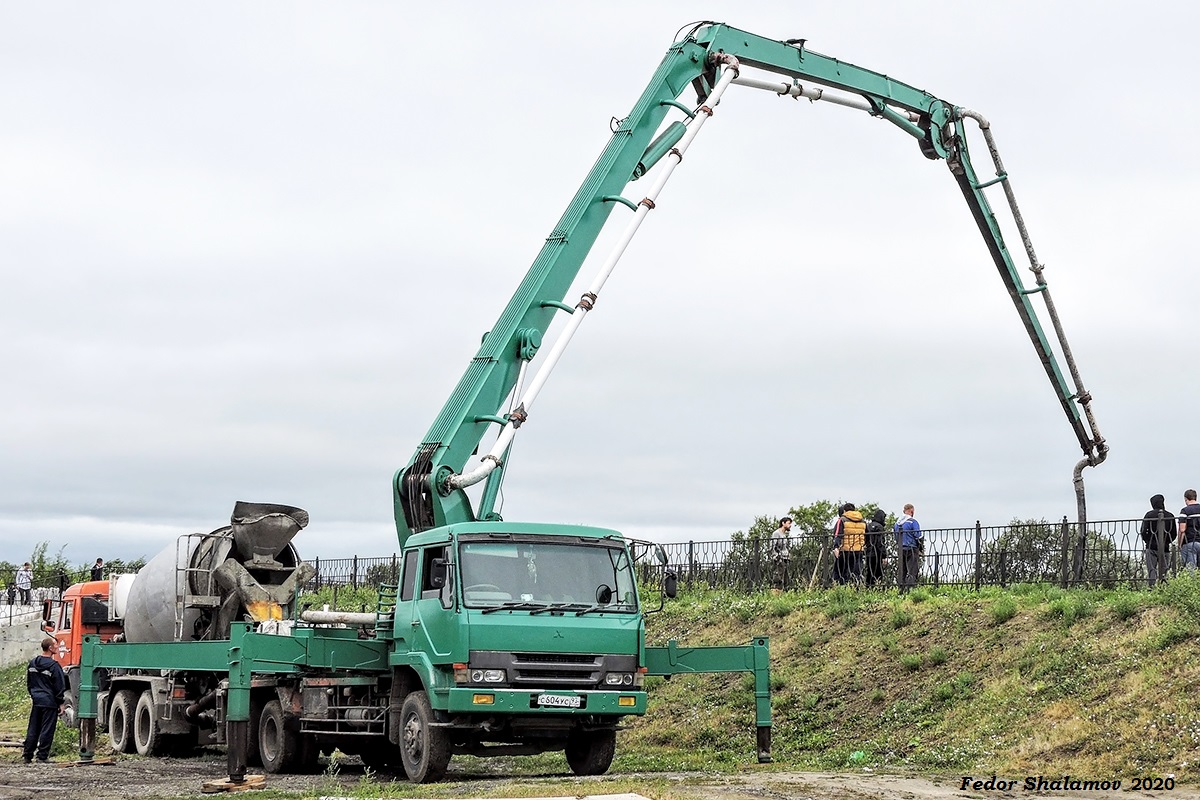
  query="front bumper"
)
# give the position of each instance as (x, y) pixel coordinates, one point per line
(523, 701)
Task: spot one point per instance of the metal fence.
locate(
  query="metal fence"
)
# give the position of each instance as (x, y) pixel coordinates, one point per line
(1110, 554)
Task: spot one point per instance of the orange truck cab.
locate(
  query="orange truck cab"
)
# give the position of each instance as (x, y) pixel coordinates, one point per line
(84, 609)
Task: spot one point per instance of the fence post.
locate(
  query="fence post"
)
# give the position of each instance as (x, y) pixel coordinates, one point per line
(691, 557)
(317, 566)
(354, 573)
(1080, 557)
(755, 564)
(395, 573)
(978, 555)
(1004, 568)
(1065, 579)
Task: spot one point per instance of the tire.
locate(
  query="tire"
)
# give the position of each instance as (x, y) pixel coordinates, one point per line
(147, 735)
(591, 752)
(120, 721)
(281, 746)
(424, 749)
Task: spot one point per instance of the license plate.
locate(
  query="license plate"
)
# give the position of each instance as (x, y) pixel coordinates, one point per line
(560, 700)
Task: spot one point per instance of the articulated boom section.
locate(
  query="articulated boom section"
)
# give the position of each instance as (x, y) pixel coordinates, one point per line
(496, 391)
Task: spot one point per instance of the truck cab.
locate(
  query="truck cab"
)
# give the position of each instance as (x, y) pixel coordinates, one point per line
(85, 608)
(526, 637)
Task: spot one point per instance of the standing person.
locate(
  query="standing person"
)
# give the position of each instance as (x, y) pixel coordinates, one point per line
(912, 545)
(46, 685)
(25, 582)
(875, 557)
(781, 547)
(98, 570)
(1157, 530)
(1189, 530)
(849, 539)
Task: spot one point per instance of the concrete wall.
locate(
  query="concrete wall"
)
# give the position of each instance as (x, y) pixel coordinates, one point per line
(20, 642)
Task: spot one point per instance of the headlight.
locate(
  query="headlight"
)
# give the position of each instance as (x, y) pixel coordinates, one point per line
(487, 676)
(618, 679)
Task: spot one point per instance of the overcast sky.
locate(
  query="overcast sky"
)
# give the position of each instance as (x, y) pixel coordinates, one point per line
(248, 250)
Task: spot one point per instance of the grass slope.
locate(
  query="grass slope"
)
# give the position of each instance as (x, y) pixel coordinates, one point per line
(1028, 680)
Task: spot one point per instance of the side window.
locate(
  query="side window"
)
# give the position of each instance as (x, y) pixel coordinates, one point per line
(408, 581)
(68, 611)
(432, 579)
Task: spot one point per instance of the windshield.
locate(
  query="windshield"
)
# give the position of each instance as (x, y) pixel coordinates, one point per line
(538, 575)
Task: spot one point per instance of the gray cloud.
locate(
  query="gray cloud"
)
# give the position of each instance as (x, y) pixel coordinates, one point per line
(249, 251)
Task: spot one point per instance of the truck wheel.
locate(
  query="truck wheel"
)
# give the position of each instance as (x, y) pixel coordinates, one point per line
(147, 735)
(281, 746)
(591, 752)
(424, 749)
(120, 721)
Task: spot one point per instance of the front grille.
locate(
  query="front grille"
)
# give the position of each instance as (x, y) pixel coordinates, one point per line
(556, 669)
(558, 658)
(553, 670)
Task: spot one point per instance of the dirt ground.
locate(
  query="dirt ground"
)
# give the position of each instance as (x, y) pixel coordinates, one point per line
(132, 778)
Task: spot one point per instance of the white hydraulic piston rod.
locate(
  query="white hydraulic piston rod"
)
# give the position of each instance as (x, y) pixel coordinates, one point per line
(352, 618)
(489, 462)
(812, 92)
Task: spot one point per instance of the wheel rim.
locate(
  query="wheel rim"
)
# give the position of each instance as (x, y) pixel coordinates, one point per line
(269, 741)
(141, 726)
(119, 727)
(413, 741)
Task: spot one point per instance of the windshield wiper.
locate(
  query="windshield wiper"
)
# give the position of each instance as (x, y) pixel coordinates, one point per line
(559, 607)
(606, 607)
(516, 605)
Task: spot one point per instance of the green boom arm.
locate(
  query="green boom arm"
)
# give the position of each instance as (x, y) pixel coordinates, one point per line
(426, 492)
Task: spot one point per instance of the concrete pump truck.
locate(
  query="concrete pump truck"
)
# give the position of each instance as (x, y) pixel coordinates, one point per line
(501, 637)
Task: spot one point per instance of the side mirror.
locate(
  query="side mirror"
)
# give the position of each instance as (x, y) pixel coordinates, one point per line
(48, 626)
(660, 554)
(671, 585)
(47, 608)
(603, 594)
(437, 578)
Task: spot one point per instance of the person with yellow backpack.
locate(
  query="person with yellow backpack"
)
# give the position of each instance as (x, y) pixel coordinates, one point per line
(849, 541)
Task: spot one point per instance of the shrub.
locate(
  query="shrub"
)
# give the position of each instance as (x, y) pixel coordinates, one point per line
(900, 617)
(1124, 604)
(1004, 609)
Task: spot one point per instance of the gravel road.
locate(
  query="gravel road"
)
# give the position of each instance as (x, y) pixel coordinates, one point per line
(134, 778)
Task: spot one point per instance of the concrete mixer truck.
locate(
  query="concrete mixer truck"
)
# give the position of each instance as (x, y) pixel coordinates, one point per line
(193, 591)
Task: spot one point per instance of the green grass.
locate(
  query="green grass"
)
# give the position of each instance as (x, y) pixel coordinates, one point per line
(1017, 679)
(1025, 680)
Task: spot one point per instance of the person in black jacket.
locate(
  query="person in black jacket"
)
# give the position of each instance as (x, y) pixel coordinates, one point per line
(876, 555)
(46, 684)
(1158, 528)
